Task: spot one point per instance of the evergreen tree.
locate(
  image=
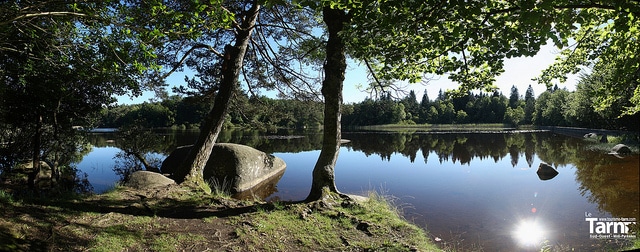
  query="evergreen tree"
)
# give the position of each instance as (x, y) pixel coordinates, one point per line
(424, 103)
(411, 106)
(529, 106)
(514, 97)
(441, 96)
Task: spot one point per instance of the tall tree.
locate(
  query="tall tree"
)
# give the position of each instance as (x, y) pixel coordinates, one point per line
(469, 40)
(266, 60)
(58, 67)
(412, 107)
(529, 105)
(425, 100)
(514, 97)
(323, 179)
(191, 169)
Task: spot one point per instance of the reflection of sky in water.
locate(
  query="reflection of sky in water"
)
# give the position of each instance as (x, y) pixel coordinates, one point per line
(483, 202)
(98, 165)
(492, 204)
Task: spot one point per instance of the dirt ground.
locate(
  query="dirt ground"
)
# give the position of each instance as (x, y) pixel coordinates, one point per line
(177, 219)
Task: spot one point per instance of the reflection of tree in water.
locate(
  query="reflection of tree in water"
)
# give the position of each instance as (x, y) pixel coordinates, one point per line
(557, 150)
(464, 147)
(126, 164)
(455, 147)
(610, 182)
(529, 148)
(144, 149)
(140, 149)
(60, 149)
(382, 144)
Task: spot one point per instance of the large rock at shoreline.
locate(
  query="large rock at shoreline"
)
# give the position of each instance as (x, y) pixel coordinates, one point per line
(146, 180)
(237, 167)
(621, 149)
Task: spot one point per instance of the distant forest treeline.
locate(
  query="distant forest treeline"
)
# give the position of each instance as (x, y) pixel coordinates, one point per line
(255, 112)
(554, 107)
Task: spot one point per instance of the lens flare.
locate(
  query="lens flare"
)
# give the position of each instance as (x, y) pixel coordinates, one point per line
(529, 233)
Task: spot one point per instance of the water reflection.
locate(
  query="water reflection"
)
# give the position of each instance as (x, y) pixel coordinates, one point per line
(610, 182)
(546, 172)
(470, 187)
(464, 147)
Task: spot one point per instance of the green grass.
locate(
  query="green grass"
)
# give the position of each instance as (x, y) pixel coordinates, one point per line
(166, 242)
(370, 225)
(118, 221)
(630, 140)
(220, 189)
(116, 238)
(5, 198)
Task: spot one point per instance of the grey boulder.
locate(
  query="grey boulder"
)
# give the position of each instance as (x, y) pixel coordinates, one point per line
(146, 180)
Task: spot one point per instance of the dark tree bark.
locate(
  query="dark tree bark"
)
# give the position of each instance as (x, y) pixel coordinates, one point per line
(334, 69)
(37, 143)
(191, 170)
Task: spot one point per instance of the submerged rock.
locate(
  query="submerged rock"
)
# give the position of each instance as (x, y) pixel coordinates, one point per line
(546, 172)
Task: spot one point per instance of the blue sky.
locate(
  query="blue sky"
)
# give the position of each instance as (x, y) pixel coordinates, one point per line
(518, 72)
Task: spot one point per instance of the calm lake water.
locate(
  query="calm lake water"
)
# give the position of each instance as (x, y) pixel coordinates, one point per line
(471, 191)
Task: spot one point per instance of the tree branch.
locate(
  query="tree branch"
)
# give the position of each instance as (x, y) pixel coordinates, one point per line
(49, 13)
(184, 57)
(375, 78)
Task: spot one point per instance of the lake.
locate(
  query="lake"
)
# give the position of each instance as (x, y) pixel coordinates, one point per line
(471, 191)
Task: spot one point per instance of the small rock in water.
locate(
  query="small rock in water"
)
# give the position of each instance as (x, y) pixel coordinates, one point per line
(546, 172)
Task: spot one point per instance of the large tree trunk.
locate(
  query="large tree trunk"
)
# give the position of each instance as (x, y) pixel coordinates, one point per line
(334, 69)
(37, 144)
(191, 170)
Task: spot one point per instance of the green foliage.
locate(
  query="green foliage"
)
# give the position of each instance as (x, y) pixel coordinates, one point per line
(262, 112)
(554, 107)
(469, 108)
(529, 105)
(255, 112)
(6, 198)
(469, 41)
(514, 116)
(549, 108)
(606, 41)
(373, 112)
(149, 115)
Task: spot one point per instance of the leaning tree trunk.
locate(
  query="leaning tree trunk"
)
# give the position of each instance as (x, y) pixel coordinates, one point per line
(190, 172)
(334, 69)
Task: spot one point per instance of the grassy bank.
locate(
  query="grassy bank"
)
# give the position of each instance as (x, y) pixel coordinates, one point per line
(176, 219)
(630, 141)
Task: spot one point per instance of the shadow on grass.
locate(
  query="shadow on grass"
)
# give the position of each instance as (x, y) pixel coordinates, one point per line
(124, 217)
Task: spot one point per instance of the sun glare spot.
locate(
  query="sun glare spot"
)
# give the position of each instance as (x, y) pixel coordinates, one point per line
(529, 233)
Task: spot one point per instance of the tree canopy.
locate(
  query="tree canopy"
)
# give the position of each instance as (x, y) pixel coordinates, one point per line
(470, 40)
(74, 55)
